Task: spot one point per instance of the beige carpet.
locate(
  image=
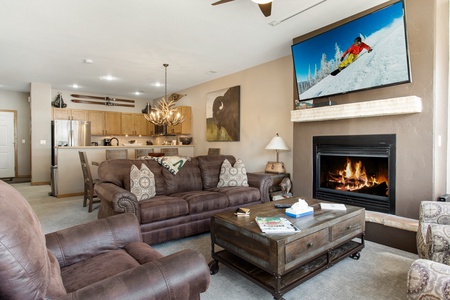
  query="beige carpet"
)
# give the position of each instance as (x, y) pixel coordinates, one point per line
(379, 274)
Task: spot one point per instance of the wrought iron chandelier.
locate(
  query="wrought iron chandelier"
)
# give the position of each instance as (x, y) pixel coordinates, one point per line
(166, 113)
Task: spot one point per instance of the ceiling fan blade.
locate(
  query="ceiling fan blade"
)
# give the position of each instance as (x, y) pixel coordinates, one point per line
(266, 8)
(221, 2)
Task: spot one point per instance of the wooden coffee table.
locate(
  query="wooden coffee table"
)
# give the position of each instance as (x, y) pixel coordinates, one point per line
(280, 262)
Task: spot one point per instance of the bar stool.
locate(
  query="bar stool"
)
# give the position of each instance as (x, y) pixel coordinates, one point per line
(169, 151)
(142, 152)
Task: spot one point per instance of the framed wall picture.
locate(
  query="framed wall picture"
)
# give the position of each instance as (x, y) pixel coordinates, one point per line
(223, 115)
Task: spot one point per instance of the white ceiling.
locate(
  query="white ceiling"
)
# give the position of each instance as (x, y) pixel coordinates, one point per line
(48, 41)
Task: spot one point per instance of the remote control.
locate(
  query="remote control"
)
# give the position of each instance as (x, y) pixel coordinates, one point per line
(280, 205)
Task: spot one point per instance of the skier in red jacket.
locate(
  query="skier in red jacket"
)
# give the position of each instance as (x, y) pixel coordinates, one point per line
(355, 49)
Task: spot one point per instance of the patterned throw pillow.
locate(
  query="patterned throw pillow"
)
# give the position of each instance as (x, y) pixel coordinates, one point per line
(142, 182)
(232, 175)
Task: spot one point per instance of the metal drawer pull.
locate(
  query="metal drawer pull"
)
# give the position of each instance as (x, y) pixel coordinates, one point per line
(310, 245)
(349, 227)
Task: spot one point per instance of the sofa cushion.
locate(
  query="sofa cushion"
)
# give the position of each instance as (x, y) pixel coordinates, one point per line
(239, 195)
(210, 168)
(203, 201)
(162, 208)
(187, 179)
(235, 175)
(142, 182)
(86, 272)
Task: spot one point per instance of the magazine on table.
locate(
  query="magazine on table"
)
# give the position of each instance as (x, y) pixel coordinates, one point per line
(275, 225)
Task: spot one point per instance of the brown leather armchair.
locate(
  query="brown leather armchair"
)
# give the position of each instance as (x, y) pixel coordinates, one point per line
(104, 259)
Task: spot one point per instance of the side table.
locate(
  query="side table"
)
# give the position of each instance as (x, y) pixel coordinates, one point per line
(275, 189)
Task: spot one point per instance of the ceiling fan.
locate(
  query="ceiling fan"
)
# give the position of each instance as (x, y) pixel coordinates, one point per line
(264, 5)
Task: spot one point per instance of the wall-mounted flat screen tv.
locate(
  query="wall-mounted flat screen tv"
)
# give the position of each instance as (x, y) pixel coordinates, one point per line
(370, 51)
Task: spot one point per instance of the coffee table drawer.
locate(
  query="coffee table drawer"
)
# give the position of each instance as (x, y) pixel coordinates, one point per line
(306, 246)
(346, 227)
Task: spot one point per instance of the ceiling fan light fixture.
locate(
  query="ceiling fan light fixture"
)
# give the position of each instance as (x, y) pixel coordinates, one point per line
(262, 1)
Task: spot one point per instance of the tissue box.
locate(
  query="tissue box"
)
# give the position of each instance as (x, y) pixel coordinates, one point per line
(297, 214)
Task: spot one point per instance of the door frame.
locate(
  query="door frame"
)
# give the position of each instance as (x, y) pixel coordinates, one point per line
(16, 159)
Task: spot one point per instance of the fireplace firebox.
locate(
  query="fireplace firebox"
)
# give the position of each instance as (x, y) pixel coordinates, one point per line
(356, 169)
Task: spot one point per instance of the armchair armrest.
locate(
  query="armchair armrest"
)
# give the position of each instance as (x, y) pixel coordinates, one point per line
(427, 278)
(438, 241)
(182, 275)
(261, 181)
(83, 241)
(116, 200)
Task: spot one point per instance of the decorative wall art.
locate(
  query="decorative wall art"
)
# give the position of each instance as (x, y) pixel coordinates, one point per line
(223, 115)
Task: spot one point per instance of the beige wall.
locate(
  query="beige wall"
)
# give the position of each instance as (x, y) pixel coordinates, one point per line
(421, 161)
(266, 102)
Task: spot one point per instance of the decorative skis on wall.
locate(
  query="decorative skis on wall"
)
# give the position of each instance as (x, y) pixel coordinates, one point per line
(102, 100)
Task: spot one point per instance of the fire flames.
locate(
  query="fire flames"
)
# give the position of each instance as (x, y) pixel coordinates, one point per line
(354, 178)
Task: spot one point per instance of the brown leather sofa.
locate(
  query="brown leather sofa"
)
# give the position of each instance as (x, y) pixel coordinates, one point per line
(104, 259)
(184, 203)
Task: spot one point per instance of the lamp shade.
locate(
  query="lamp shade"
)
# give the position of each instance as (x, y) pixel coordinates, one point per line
(277, 143)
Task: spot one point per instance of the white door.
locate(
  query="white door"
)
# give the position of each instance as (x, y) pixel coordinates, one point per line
(7, 144)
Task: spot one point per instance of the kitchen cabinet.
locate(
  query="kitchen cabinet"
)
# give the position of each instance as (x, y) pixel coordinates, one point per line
(105, 122)
(185, 127)
(136, 124)
(69, 114)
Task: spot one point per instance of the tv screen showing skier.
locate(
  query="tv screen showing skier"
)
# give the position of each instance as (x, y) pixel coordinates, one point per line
(368, 52)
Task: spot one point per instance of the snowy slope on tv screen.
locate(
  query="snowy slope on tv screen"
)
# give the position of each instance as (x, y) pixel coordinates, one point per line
(386, 64)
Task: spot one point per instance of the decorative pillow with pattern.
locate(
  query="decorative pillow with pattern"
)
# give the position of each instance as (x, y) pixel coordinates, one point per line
(142, 182)
(232, 175)
(173, 163)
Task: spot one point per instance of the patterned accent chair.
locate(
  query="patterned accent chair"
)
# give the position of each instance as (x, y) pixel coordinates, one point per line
(433, 236)
(429, 276)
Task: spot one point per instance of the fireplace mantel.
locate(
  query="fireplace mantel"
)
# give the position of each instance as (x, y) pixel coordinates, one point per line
(376, 108)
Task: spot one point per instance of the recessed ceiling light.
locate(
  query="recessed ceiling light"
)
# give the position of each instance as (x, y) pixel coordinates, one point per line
(88, 61)
(158, 84)
(137, 93)
(75, 86)
(108, 77)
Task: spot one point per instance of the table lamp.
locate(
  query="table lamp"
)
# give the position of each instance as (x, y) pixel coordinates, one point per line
(276, 144)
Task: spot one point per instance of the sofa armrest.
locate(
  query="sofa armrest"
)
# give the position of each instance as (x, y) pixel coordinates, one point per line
(182, 275)
(116, 200)
(83, 241)
(427, 279)
(261, 181)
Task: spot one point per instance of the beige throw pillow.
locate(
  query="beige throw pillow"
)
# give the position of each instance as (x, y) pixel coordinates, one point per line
(232, 175)
(142, 182)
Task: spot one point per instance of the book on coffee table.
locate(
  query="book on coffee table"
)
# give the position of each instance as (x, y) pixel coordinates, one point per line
(242, 211)
(275, 225)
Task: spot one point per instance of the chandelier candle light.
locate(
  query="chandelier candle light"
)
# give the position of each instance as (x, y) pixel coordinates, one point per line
(276, 144)
(166, 114)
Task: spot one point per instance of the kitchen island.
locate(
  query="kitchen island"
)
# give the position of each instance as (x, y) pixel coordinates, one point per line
(69, 177)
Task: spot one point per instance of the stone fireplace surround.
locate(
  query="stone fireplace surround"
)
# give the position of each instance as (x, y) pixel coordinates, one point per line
(399, 116)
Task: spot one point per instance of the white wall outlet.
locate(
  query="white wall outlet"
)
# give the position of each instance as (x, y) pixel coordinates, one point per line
(23, 141)
(43, 142)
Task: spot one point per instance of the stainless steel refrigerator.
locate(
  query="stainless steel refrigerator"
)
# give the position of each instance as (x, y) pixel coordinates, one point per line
(67, 133)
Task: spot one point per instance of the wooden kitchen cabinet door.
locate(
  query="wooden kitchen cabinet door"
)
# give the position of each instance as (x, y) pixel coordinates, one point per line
(97, 119)
(112, 123)
(127, 124)
(69, 114)
(141, 125)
